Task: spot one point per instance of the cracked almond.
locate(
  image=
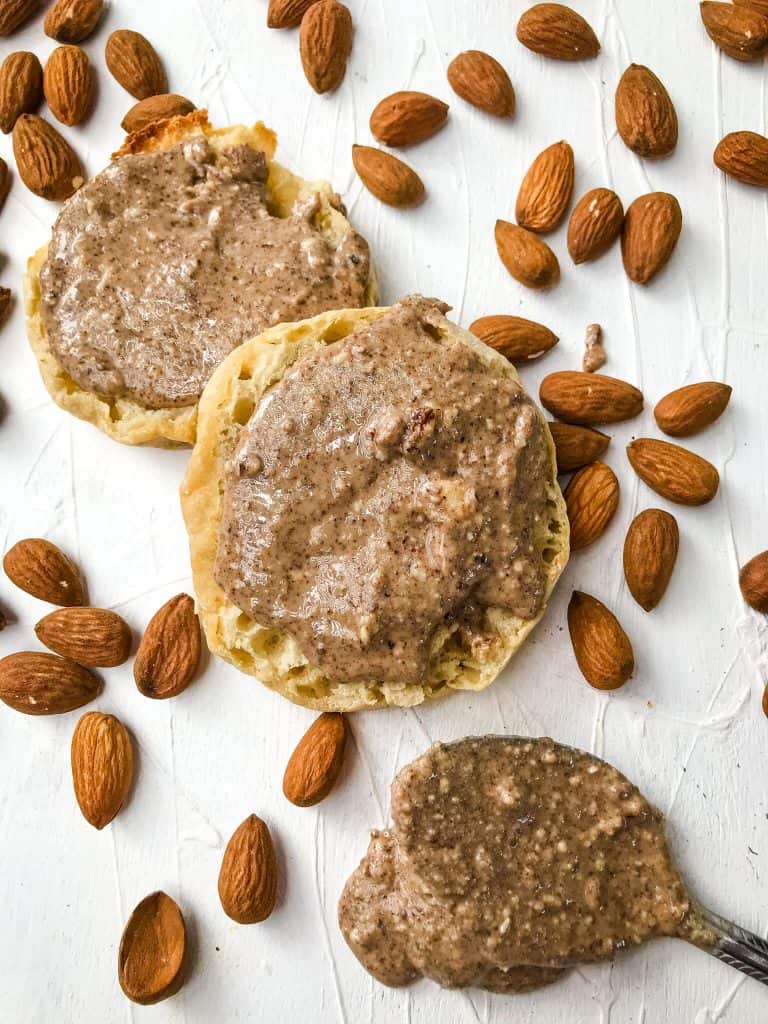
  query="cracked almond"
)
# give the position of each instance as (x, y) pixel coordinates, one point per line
(248, 875)
(134, 64)
(595, 224)
(557, 31)
(650, 553)
(585, 398)
(68, 84)
(102, 766)
(44, 571)
(391, 180)
(21, 87)
(744, 156)
(169, 652)
(591, 500)
(576, 446)
(36, 683)
(739, 31)
(405, 118)
(72, 21)
(753, 581)
(526, 256)
(602, 648)
(546, 189)
(315, 764)
(651, 229)
(153, 945)
(89, 636)
(515, 337)
(674, 472)
(325, 43)
(479, 79)
(645, 114)
(692, 408)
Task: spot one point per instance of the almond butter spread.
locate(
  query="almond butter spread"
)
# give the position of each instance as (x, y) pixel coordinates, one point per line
(390, 483)
(166, 261)
(508, 860)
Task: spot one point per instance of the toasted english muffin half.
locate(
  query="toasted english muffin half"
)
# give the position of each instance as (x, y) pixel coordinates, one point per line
(123, 418)
(459, 659)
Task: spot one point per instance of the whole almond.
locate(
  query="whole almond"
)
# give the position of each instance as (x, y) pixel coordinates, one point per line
(6, 295)
(37, 683)
(151, 957)
(72, 21)
(526, 256)
(692, 408)
(645, 114)
(43, 570)
(287, 13)
(546, 189)
(389, 179)
(739, 31)
(591, 499)
(325, 43)
(674, 472)
(765, 700)
(89, 636)
(557, 31)
(155, 108)
(21, 87)
(576, 446)
(479, 79)
(68, 84)
(652, 227)
(753, 580)
(650, 553)
(405, 118)
(744, 156)
(515, 337)
(13, 14)
(5, 187)
(248, 875)
(102, 766)
(594, 225)
(46, 162)
(134, 63)
(602, 648)
(315, 764)
(585, 398)
(169, 652)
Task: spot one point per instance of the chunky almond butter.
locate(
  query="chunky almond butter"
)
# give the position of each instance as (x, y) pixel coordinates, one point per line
(546, 189)
(287, 13)
(156, 108)
(43, 570)
(739, 31)
(515, 337)
(325, 43)
(526, 256)
(753, 580)
(673, 472)
(134, 63)
(586, 398)
(169, 652)
(89, 636)
(651, 229)
(37, 683)
(576, 446)
(591, 499)
(391, 180)
(315, 764)
(595, 224)
(645, 114)
(68, 84)
(13, 14)
(692, 408)
(72, 21)
(248, 875)
(557, 31)
(405, 118)
(479, 79)
(744, 156)
(102, 766)
(602, 648)
(650, 553)
(21, 87)
(150, 961)
(46, 162)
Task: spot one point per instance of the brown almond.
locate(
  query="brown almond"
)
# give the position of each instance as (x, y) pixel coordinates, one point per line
(13, 14)
(248, 875)
(515, 337)
(650, 553)
(134, 63)
(89, 636)
(287, 13)
(405, 118)
(169, 652)
(72, 21)
(557, 31)
(602, 648)
(479, 79)
(6, 296)
(591, 499)
(744, 156)
(756, 5)
(692, 408)
(645, 114)
(102, 766)
(652, 227)
(579, 397)
(37, 683)
(68, 84)
(753, 580)
(43, 570)
(765, 700)
(315, 764)
(576, 446)
(156, 108)
(21, 87)
(150, 961)
(389, 179)
(5, 187)
(673, 472)
(46, 162)
(325, 43)
(546, 189)
(595, 224)
(739, 31)
(526, 256)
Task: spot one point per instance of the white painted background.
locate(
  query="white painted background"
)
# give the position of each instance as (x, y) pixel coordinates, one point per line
(688, 728)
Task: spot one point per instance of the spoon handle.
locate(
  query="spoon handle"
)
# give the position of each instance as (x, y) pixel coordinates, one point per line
(736, 946)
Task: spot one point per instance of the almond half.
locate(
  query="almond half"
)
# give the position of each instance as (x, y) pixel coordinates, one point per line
(102, 766)
(650, 553)
(652, 227)
(744, 156)
(169, 652)
(389, 179)
(515, 337)
(89, 636)
(36, 683)
(673, 472)
(576, 446)
(526, 256)
(248, 875)
(21, 87)
(557, 31)
(479, 79)
(585, 398)
(546, 189)
(44, 571)
(152, 948)
(405, 118)
(325, 43)
(692, 408)
(602, 648)
(591, 499)
(315, 764)
(645, 114)
(68, 84)
(595, 224)
(753, 580)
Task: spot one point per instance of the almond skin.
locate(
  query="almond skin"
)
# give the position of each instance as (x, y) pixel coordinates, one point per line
(248, 875)
(753, 580)
(602, 648)
(389, 179)
(546, 189)
(37, 683)
(586, 398)
(645, 114)
(6, 295)
(315, 764)
(325, 43)
(652, 227)
(169, 652)
(650, 553)
(102, 766)
(761, 6)
(744, 156)
(692, 408)
(21, 87)
(89, 636)
(595, 224)
(527, 258)
(479, 79)
(673, 472)
(134, 63)
(576, 446)
(46, 162)
(68, 84)
(156, 108)
(740, 32)
(150, 961)
(13, 14)
(405, 118)
(557, 31)
(515, 337)
(287, 13)
(591, 498)
(72, 21)
(43, 570)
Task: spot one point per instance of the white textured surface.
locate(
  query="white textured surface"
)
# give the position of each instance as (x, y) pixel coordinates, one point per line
(212, 756)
